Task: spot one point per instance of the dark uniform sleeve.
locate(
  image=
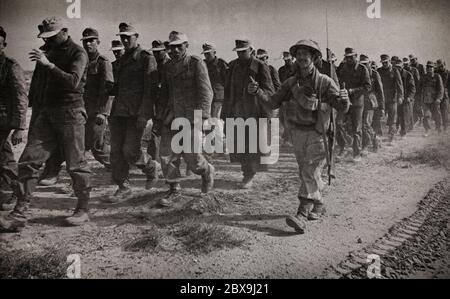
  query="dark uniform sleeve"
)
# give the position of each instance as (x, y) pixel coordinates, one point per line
(106, 85)
(19, 97)
(150, 86)
(366, 83)
(265, 80)
(398, 85)
(72, 78)
(411, 86)
(275, 78)
(272, 101)
(204, 90)
(379, 91)
(440, 89)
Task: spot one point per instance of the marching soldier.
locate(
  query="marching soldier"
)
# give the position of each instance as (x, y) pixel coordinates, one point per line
(118, 51)
(414, 61)
(310, 97)
(443, 72)
(416, 75)
(159, 128)
(186, 88)
(373, 102)
(262, 55)
(409, 88)
(240, 104)
(288, 69)
(60, 124)
(432, 93)
(13, 109)
(135, 92)
(357, 81)
(393, 92)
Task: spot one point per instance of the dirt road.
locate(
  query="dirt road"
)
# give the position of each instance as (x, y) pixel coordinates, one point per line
(235, 233)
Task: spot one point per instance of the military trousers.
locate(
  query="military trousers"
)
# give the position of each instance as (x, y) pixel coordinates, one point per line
(376, 123)
(195, 160)
(94, 142)
(354, 119)
(8, 164)
(343, 128)
(56, 129)
(417, 110)
(126, 150)
(444, 113)
(431, 111)
(403, 119)
(369, 136)
(311, 158)
(391, 111)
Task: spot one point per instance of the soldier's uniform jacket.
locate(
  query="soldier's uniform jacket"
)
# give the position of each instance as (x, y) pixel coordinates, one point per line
(115, 68)
(136, 86)
(238, 103)
(304, 110)
(356, 78)
(186, 87)
(275, 78)
(286, 71)
(392, 84)
(375, 98)
(161, 107)
(445, 81)
(416, 75)
(37, 85)
(99, 83)
(409, 86)
(217, 70)
(13, 98)
(420, 68)
(432, 89)
(65, 82)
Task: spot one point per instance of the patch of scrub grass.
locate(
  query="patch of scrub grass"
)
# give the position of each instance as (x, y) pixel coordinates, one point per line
(50, 263)
(204, 238)
(147, 243)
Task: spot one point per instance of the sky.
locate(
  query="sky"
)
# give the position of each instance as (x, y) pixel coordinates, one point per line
(405, 27)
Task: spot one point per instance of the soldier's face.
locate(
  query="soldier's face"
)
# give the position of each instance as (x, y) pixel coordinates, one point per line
(129, 42)
(210, 56)
(244, 55)
(178, 51)
(385, 64)
(430, 70)
(351, 60)
(413, 61)
(91, 45)
(118, 53)
(159, 55)
(304, 58)
(439, 66)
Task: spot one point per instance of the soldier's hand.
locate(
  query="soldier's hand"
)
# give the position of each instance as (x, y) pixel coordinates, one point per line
(141, 123)
(343, 94)
(253, 86)
(100, 119)
(39, 57)
(17, 137)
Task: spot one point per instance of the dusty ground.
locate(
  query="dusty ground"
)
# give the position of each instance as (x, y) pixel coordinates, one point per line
(364, 202)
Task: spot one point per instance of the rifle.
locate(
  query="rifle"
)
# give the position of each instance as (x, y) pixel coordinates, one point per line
(330, 132)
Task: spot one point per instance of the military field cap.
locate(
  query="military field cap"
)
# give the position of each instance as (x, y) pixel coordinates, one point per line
(208, 48)
(350, 52)
(157, 45)
(242, 45)
(51, 27)
(412, 56)
(177, 38)
(308, 44)
(384, 58)
(364, 58)
(116, 45)
(406, 60)
(439, 61)
(2, 33)
(431, 64)
(90, 33)
(126, 29)
(261, 53)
